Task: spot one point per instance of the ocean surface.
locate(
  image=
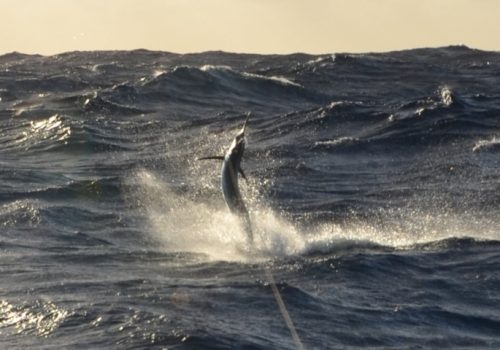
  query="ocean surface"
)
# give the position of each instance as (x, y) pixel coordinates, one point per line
(373, 187)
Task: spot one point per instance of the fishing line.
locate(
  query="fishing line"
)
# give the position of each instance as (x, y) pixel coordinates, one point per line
(283, 309)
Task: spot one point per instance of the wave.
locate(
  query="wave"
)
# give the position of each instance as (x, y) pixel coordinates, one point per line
(44, 84)
(77, 136)
(226, 84)
(491, 145)
(42, 134)
(99, 105)
(356, 125)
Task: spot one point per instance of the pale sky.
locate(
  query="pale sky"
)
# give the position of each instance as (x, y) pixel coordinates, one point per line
(257, 26)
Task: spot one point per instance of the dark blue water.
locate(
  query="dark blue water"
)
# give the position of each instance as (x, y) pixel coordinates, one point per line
(374, 190)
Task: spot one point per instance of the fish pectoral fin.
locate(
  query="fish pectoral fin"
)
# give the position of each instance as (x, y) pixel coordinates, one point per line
(242, 174)
(211, 157)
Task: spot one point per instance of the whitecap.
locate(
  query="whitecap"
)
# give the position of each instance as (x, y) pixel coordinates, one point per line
(278, 79)
(446, 95)
(486, 144)
(338, 141)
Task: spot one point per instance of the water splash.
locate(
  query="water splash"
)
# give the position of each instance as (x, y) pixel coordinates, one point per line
(181, 223)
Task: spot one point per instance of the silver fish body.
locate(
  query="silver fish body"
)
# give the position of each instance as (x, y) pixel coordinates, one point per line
(231, 166)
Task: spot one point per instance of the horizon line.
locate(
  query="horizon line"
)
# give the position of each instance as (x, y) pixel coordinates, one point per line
(250, 53)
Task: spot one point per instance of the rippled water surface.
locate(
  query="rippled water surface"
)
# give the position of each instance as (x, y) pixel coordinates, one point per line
(373, 187)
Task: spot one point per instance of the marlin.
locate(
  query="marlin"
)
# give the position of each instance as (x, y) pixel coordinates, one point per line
(231, 166)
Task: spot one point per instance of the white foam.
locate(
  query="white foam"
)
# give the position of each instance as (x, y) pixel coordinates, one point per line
(182, 224)
(210, 67)
(278, 79)
(338, 141)
(158, 73)
(482, 144)
(446, 95)
(223, 68)
(318, 60)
